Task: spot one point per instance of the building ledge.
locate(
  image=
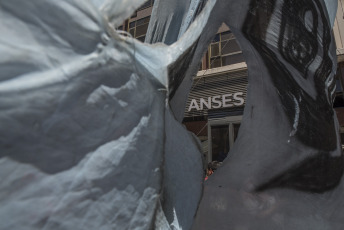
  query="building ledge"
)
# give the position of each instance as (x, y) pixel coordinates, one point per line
(223, 69)
(243, 66)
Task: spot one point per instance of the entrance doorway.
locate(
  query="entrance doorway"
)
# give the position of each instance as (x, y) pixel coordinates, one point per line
(222, 134)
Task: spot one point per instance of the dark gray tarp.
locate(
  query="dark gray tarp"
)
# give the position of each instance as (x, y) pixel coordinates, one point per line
(285, 170)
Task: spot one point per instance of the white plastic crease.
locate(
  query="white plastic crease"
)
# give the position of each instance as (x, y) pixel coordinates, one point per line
(117, 11)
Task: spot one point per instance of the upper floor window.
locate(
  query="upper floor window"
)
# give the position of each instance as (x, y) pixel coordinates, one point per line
(224, 50)
(138, 29)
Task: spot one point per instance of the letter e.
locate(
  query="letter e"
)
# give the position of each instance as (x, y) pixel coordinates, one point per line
(225, 100)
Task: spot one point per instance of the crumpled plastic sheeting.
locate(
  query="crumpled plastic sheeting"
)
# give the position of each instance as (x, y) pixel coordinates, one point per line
(285, 170)
(85, 123)
(117, 11)
(170, 19)
(161, 29)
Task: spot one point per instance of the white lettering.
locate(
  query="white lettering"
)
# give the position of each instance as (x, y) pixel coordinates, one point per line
(225, 100)
(193, 105)
(203, 102)
(217, 101)
(239, 100)
(228, 100)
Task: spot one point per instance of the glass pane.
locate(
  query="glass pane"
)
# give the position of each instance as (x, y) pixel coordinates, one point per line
(215, 62)
(132, 24)
(229, 46)
(216, 38)
(132, 32)
(215, 51)
(120, 28)
(226, 35)
(232, 59)
(142, 21)
(219, 142)
(146, 19)
(236, 130)
(141, 30)
(338, 101)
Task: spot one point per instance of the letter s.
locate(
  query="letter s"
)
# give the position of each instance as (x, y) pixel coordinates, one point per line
(217, 101)
(238, 100)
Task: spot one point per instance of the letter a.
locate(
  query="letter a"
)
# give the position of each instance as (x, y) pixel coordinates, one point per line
(193, 105)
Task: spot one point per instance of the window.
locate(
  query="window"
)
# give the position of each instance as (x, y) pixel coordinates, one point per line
(224, 50)
(219, 142)
(138, 29)
(342, 138)
(339, 94)
(338, 100)
(222, 134)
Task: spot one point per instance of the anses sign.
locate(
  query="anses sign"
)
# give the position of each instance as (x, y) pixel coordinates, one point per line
(216, 102)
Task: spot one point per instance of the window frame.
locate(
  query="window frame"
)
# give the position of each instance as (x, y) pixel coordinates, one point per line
(134, 27)
(219, 42)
